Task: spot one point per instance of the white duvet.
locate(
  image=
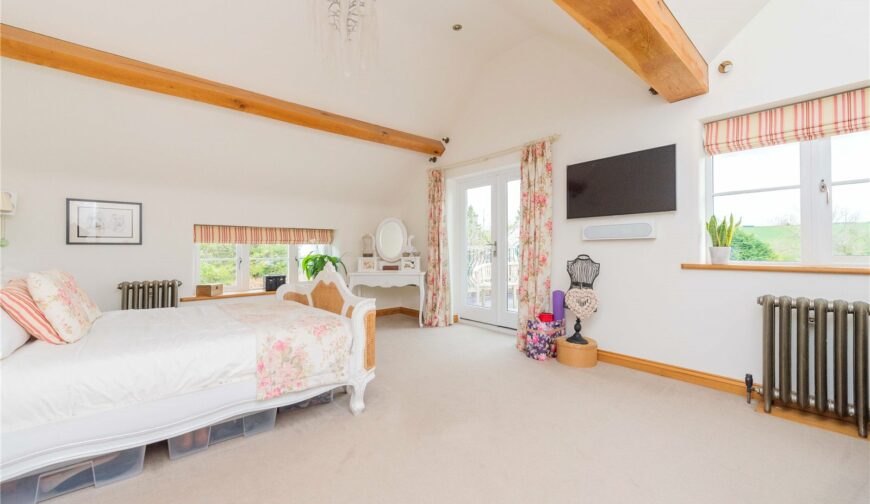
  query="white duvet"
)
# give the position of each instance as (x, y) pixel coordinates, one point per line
(128, 357)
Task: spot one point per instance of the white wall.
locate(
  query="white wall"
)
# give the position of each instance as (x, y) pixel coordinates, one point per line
(650, 308)
(69, 136)
(37, 236)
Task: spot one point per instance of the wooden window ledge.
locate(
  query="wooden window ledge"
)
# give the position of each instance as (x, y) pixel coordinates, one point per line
(228, 295)
(780, 268)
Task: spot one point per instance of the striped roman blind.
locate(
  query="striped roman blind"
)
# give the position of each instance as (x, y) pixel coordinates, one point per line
(203, 233)
(847, 112)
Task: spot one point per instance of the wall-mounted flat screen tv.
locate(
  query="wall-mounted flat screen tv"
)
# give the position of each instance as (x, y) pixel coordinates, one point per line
(639, 182)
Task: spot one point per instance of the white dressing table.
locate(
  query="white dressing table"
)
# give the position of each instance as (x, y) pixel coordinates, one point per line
(390, 279)
(394, 249)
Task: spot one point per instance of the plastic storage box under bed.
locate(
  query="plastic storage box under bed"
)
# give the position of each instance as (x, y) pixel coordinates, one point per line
(105, 469)
(200, 439)
(324, 398)
(59, 480)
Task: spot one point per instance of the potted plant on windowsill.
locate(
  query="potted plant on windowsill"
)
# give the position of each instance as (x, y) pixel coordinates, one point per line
(721, 234)
(313, 263)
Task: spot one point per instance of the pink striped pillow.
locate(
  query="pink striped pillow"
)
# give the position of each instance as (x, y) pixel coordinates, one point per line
(15, 299)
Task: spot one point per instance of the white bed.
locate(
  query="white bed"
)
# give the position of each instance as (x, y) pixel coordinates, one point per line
(141, 376)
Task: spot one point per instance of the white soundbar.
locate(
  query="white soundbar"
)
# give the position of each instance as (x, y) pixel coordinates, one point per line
(629, 231)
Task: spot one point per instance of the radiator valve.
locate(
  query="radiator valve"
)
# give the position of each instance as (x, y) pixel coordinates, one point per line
(748, 381)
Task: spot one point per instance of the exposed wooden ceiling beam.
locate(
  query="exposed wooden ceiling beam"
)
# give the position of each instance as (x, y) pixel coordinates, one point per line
(649, 39)
(51, 52)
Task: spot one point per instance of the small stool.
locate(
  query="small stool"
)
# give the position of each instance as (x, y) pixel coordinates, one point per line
(574, 355)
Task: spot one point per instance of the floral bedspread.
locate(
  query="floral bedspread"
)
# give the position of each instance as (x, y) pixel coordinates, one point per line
(298, 347)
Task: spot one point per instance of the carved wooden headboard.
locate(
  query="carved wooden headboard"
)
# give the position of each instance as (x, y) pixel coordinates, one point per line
(325, 296)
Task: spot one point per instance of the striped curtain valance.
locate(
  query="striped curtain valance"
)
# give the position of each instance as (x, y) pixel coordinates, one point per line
(203, 233)
(832, 115)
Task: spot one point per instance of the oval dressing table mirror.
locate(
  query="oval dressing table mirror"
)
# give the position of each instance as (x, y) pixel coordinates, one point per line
(390, 239)
(390, 269)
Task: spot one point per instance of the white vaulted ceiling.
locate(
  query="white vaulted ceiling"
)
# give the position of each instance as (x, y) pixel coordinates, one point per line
(422, 72)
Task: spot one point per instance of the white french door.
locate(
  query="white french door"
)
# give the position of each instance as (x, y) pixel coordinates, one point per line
(487, 248)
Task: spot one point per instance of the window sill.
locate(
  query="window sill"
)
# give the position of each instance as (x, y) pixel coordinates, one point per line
(228, 295)
(779, 268)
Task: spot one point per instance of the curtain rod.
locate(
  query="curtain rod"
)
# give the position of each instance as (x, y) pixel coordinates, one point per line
(480, 159)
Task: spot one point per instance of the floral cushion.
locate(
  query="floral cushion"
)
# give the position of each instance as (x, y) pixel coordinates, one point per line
(69, 309)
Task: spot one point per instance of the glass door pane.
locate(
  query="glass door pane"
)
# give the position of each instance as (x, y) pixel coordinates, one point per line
(513, 244)
(478, 246)
(487, 248)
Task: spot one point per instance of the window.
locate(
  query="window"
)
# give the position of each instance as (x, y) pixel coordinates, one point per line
(218, 263)
(244, 267)
(239, 267)
(806, 202)
(850, 195)
(266, 260)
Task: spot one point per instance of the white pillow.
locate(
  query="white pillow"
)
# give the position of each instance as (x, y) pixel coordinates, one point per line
(12, 335)
(68, 308)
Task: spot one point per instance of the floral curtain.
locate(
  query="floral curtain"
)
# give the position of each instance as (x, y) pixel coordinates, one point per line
(536, 235)
(203, 233)
(832, 115)
(437, 310)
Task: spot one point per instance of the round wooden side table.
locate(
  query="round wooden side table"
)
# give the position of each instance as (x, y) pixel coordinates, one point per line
(574, 355)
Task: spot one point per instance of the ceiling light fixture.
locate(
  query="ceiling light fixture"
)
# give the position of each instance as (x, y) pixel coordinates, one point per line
(457, 27)
(725, 66)
(348, 31)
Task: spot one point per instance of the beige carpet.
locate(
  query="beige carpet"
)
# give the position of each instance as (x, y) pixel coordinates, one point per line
(457, 415)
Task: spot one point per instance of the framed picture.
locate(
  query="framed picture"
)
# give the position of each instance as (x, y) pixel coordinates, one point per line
(95, 222)
(410, 264)
(367, 264)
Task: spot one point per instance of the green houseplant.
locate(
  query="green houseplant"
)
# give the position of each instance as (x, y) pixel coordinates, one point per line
(313, 263)
(721, 235)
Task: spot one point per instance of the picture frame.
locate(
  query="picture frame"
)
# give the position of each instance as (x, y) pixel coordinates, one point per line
(367, 264)
(101, 222)
(410, 264)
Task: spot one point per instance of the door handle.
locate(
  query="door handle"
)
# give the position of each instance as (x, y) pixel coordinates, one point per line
(494, 246)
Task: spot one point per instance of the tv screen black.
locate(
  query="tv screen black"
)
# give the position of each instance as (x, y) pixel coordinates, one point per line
(639, 182)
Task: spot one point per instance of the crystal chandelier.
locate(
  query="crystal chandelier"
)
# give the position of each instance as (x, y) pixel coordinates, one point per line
(348, 32)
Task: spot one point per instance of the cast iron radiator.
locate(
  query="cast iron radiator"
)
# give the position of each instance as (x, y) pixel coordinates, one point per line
(795, 369)
(149, 294)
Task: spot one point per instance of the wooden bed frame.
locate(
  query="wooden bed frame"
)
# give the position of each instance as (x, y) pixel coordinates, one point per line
(125, 428)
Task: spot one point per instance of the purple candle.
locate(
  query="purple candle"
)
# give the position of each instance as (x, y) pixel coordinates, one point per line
(558, 305)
